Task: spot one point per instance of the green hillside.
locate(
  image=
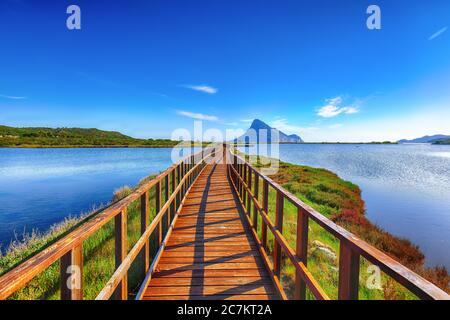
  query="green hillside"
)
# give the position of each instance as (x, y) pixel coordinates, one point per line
(73, 137)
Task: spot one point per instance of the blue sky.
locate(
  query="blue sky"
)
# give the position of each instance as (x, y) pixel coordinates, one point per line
(146, 68)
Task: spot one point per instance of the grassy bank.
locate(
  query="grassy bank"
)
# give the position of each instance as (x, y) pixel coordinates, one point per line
(341, 201)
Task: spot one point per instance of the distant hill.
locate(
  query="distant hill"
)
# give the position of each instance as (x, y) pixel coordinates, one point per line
(73, 137)
(252, 135)
(427, 139)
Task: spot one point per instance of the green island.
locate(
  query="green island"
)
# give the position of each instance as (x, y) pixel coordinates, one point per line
(333, 197)
(76, 138)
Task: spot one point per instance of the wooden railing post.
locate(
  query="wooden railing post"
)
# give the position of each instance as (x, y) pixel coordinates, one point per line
(121, 292)
(181, 178)
(265, 204)
(240, 171)
(185, 184)
(249, 197)
(279, 225)
(178, 182)
(192, 167)
(174, 203)
(241, 174)
(144, 225)
(244, 180)
(71, 270)
(158, 208)
(166, 198)
(301, 252)
(348, 272)
(225, 154)
(255, 208)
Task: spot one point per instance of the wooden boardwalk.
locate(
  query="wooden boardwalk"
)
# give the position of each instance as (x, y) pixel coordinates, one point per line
(212, 250)
(211, 253)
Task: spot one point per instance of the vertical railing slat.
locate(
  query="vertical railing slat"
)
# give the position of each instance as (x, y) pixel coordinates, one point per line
(255, 209)
(121, 292)
(71, 270)
(166, 198)
(158, 205)
(301, 252)
(174, 203)
(178, 182)
(244, 190)
(249, 197)
(348, 272)
(279, 225)
(144, 225)
(265, 196)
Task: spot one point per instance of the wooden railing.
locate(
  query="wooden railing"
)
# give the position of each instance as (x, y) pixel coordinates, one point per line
(69, 250)
(351, 247)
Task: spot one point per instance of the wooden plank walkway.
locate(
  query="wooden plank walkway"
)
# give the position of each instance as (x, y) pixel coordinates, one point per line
(211, 253)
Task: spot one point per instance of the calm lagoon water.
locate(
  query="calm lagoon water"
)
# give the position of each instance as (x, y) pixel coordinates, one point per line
(40, 187)
(406, 187)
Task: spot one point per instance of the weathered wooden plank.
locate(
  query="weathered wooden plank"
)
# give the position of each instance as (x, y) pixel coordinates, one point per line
(209, 266)
(209, 253)
(211, 273)
(209, 281)
(202, 259)
(210, 290)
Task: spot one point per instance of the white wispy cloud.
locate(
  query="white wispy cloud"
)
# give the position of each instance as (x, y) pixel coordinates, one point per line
(12, 97)
(334, 108)
(283, 125)
(202, 88)
(197, 116)
(438, 33)
(335, 126)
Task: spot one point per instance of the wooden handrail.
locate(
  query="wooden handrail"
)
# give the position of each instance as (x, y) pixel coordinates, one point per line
(351, 247)
(69, 248)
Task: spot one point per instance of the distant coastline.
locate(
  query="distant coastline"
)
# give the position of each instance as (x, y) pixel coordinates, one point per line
(102, 147)
(11, 137)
